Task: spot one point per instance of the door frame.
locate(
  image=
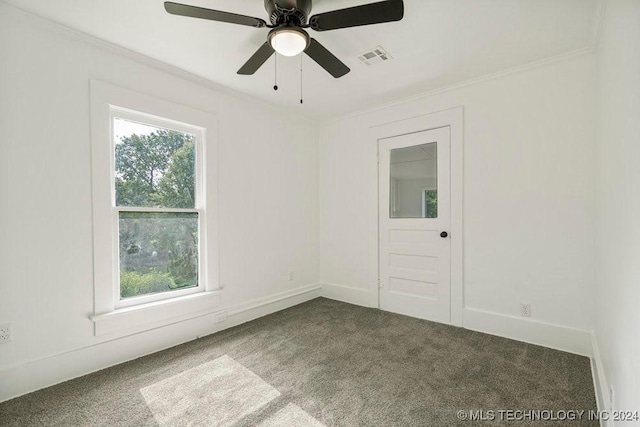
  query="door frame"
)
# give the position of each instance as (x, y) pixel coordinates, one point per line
(454, 119)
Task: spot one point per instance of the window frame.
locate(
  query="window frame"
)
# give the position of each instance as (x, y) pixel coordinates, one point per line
(199, 205)
(146, 312)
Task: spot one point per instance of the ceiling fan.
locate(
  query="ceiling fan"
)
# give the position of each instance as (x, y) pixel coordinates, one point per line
(288, 20)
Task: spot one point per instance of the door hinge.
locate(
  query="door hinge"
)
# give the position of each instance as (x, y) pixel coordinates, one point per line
(380, 285)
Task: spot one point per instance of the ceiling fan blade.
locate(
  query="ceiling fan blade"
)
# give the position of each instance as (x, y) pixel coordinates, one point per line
(256, 61)
(213, 15)
(374, 13)
(326, 59)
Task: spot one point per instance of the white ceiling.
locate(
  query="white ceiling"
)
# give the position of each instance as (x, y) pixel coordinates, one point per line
(439, 43)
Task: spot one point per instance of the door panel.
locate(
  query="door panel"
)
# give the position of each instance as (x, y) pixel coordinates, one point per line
(414, 186)
(407, 287)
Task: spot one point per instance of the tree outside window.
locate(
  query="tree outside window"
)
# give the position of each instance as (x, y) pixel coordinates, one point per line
(155, 194)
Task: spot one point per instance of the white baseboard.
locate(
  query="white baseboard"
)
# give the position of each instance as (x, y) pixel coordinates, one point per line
(40, 373)
(348, 294)
(47, 371)
(558, 337)
(600, 383)
(254, 309)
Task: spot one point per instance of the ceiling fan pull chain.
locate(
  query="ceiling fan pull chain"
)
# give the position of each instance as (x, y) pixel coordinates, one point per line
(275, 72)
(301, 101)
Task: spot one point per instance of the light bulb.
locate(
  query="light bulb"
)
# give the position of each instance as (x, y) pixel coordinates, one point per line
(289, 41)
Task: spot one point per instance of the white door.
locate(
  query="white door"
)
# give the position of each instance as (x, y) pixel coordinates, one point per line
(414, 224)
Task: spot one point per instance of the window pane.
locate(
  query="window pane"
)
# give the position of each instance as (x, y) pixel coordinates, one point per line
(414, 182)
(158, 252)
(155, 167)
(430, 204)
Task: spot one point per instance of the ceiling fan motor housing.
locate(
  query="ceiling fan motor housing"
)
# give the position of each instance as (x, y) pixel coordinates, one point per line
(288, 12)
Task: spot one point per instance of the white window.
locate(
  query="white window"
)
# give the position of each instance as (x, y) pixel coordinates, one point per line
(155, 234)
(158, 207)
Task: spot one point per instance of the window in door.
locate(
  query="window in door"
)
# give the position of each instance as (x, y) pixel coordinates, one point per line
(414, 182)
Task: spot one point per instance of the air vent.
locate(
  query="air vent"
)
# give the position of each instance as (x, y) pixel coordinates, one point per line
(374, 56)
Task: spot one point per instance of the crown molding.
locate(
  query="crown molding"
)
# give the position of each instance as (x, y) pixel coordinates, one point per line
(591, 48)
(64, 30)
(77, 35)
(465, 83)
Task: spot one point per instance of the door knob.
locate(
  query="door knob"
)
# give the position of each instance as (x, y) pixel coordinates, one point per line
(444, 234)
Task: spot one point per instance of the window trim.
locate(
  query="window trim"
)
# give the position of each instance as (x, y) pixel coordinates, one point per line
(106, 100)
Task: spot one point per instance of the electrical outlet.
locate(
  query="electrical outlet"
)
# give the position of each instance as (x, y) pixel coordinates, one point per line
(220, 317)
(5, 333)
(290, 275)
(525, 310)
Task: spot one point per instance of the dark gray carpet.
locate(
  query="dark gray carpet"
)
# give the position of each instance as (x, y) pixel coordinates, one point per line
(341, 364)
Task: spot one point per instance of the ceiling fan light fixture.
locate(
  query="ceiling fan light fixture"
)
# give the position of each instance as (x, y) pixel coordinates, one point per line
(289, 41)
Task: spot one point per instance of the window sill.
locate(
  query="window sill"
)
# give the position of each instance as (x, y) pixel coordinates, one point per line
(152, 315)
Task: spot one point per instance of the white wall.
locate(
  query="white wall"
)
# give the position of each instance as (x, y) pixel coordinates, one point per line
(530, 206)
(268, 190)
(528, 195)
(618, 204)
